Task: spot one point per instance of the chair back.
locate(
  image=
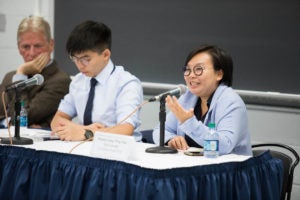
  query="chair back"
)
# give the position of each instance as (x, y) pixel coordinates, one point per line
(147, 136)
(290, 160)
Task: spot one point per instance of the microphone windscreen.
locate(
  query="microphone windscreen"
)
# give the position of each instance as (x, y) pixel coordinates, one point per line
(39, 79)
(182, 89)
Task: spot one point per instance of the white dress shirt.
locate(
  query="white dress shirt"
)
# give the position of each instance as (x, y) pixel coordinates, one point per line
(117, 94)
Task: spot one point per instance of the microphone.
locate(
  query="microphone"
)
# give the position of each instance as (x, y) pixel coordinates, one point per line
(37, 79)
(175, 92)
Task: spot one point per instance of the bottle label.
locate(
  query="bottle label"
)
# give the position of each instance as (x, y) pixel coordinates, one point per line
(211, 145)
(23, 121)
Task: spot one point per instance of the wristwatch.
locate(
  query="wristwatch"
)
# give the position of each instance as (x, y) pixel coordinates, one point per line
(88, 134)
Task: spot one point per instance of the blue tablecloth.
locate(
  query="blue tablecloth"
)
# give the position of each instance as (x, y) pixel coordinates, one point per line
(31, 174)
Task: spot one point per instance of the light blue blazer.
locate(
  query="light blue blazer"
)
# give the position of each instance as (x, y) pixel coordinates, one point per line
(227, 110)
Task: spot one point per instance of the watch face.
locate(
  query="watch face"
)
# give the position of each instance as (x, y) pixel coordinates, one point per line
(88, 134)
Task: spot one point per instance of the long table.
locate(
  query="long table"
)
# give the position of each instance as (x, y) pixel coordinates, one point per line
(47, 170)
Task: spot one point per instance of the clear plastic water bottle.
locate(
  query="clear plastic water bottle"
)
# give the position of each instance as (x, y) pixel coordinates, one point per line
(23, 115)
(211, 142)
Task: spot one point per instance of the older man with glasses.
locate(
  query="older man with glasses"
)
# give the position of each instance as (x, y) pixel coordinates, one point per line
(35, 45)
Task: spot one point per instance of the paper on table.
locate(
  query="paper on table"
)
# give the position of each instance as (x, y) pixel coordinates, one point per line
(37, 134)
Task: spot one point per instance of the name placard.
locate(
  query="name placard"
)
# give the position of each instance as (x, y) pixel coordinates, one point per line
(113, 146)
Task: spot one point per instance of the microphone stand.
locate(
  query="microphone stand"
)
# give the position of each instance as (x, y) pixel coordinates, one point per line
(162, 119)
(17, 139)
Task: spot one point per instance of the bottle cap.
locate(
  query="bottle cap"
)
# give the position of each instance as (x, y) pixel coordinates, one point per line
(211, 125)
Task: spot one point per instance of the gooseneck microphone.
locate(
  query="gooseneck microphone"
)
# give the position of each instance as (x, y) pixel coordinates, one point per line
(178, 91)
(37, 79)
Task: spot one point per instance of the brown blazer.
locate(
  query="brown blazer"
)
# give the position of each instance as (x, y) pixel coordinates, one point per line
(41, 101)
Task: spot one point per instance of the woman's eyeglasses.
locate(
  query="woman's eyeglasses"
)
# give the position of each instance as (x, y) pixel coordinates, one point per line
(197, 70)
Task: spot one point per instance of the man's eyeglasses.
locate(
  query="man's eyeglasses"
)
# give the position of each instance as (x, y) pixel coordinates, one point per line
(197, 70)
(84, 60)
